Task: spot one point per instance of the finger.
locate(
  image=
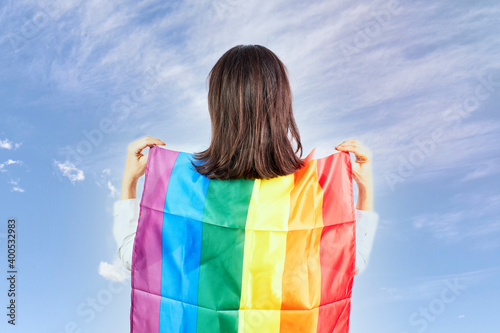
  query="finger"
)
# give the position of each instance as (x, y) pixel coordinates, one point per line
(137, 146)
(350, 141)
(362, 154)
(348, 147)
(149, 141)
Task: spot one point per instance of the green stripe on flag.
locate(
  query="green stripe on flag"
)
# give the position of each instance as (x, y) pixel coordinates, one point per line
(222, 247)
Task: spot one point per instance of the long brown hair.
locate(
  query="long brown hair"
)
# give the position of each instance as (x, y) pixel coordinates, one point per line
(250, 106)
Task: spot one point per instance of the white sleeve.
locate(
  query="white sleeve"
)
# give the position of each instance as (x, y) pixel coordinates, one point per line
(126, 218)
(366, 226)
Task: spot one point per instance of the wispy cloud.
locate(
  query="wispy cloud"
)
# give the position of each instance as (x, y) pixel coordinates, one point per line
(105, 181)
(442, 225)
(474, 218)
(487, 168)
(427, 287)
(16, 187)
(9, 145)
(429, 73)
(388, 94)
(69, 170)
(15, 183)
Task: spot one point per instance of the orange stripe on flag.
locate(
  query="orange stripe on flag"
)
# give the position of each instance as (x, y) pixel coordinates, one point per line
(302, 275)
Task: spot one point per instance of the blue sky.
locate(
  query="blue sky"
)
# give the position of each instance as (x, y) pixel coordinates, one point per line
(416, 82)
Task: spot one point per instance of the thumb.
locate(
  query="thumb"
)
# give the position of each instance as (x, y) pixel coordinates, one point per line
(144, 158)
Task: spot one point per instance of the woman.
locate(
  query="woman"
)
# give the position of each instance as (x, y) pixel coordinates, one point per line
(250, 105)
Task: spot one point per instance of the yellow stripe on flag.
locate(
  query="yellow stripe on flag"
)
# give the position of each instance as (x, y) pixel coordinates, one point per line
(264, 255)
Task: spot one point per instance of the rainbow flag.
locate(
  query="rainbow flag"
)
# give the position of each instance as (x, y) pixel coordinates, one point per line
(250, 255)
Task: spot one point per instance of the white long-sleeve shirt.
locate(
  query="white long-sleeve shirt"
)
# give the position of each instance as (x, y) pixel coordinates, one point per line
(126, 218)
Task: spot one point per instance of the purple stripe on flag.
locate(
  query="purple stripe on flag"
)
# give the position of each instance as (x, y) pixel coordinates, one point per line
(146, 271)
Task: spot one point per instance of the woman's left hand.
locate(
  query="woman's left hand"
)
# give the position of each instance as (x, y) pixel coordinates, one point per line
(135, 166)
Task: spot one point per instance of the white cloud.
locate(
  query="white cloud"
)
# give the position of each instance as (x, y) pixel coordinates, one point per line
(9, 145)
(113, 272)
(8, 162)
(112, 190)
(70, 171)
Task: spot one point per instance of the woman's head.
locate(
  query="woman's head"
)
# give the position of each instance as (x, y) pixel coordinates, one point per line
(250, 105)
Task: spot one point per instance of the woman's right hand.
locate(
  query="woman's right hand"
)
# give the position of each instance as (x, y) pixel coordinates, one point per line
(361, 172)
(135, 166)
(362, 167)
